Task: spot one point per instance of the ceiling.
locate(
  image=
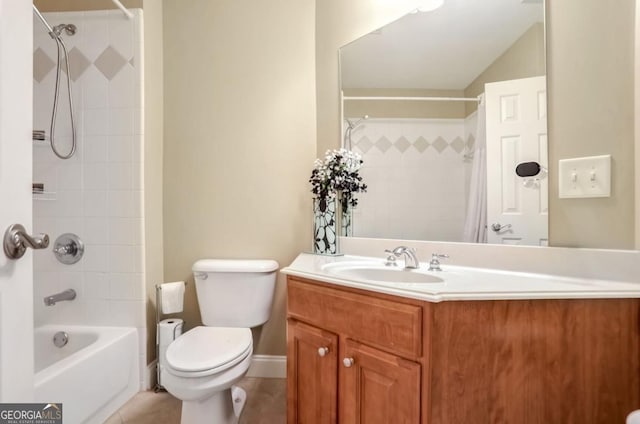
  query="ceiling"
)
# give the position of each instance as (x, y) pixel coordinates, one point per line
(443, 49)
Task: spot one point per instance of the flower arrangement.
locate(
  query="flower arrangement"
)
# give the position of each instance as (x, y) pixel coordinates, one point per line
(337, 175)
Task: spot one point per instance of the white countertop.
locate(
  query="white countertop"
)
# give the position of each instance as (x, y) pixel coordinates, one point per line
(465, 283)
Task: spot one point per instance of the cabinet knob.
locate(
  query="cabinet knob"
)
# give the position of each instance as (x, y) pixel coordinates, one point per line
(348, 362)
(323, 351)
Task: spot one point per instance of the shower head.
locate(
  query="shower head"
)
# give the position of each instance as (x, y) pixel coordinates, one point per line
(352, 125)
(69, 29)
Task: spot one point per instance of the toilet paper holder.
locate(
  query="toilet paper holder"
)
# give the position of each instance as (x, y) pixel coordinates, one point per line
(158, 387)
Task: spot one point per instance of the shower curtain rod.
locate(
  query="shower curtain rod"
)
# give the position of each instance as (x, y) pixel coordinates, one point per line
(124, 9)
(440, 99)
(119, 5)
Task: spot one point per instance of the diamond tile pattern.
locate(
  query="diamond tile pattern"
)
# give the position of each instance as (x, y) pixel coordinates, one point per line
(78, 63)
(42, 64)
(440, 144)
(364, 144)
(457, 144)
(421, 144)
(383, 144)
(402, 144)
(110, 62)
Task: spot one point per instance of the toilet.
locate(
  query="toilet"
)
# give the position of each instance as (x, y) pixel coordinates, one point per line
(202, 366)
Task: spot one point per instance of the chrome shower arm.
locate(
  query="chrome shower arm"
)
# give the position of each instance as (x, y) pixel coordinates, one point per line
(44, 21)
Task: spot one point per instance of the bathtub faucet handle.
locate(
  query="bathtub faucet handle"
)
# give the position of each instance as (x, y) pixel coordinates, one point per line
(68, 248)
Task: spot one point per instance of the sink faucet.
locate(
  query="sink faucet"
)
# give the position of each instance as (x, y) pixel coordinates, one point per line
(410, 258)
(68, 294)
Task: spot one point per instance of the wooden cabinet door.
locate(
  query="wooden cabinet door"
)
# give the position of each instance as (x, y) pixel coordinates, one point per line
(312, 374)
(377, 387)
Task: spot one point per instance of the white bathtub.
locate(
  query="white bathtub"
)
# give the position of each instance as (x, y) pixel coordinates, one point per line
(93, 375)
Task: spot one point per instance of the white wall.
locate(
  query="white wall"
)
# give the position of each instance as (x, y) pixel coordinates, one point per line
(97, 194)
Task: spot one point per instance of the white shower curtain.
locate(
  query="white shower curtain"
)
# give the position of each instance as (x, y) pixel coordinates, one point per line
(475, 225)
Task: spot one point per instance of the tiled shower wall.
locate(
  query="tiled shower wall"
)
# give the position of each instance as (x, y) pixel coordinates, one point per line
(98, 193)
(417, 177)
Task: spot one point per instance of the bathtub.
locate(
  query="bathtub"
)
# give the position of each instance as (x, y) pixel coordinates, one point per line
(93, 375)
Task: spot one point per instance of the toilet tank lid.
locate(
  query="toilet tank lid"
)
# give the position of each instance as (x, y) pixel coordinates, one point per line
(235, 265)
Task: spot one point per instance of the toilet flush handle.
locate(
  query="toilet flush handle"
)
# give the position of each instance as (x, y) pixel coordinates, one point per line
(200, 275)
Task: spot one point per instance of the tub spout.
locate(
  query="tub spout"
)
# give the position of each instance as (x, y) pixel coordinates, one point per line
(68, 294)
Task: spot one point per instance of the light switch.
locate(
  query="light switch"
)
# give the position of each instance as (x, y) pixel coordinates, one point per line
(585, 177)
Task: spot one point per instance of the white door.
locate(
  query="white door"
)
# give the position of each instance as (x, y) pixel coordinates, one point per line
(517, 208)
(16, 276)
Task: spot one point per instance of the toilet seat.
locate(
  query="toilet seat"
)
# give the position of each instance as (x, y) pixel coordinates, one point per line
(208, 350)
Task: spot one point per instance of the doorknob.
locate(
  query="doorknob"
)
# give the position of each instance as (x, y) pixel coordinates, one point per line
(497, 227)
(16, 241)
(322, 351)
(348, 362)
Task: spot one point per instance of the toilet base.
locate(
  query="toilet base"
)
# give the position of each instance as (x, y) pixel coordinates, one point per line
(223, 407)
(239, 397)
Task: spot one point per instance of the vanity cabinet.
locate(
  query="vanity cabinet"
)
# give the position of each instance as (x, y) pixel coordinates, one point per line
(351, 358)
(358, 356)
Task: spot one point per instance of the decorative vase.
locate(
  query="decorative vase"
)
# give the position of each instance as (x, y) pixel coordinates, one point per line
(326, 217)
(346, 220)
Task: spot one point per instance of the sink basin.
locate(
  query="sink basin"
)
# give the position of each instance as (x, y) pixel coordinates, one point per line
(379, 272)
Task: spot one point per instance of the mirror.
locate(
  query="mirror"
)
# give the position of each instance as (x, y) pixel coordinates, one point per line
(410, 95)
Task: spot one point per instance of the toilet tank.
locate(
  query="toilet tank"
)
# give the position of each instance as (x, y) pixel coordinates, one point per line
(235, 292)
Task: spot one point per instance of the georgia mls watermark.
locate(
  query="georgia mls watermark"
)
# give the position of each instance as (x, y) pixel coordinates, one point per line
(30, 413)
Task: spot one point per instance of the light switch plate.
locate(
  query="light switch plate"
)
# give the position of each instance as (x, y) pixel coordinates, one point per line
(585, 177)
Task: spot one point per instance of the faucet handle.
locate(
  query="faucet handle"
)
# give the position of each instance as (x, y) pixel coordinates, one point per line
(439, 256)
(391, 258)
(434, 265)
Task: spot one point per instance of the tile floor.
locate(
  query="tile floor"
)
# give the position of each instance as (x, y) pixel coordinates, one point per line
(266, 404)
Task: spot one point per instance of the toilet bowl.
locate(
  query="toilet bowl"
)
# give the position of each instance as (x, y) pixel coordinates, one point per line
(202, 366)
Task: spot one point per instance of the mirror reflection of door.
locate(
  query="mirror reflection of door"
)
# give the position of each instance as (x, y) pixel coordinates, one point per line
(517, 207)
(418, 150)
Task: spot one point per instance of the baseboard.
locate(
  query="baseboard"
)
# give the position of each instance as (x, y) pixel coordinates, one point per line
(268, 366)
(149, 378)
